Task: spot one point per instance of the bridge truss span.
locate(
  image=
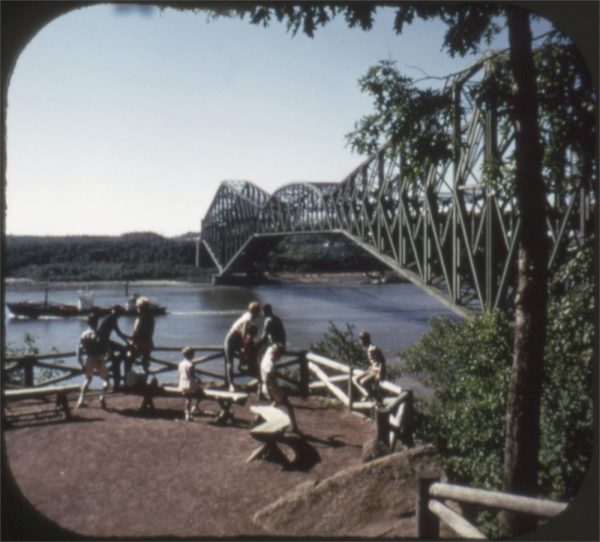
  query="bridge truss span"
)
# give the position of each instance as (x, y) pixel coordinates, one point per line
(445, 226)
(230, 220)
(298, 208)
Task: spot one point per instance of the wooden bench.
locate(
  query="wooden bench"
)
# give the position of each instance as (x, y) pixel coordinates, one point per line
(58, 392)
(225, 399)
(271, 430)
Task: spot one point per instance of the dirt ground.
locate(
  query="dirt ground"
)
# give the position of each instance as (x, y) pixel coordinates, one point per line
(118, 474)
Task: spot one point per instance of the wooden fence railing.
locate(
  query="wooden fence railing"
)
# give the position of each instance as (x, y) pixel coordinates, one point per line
(307, 371)
(431, 510)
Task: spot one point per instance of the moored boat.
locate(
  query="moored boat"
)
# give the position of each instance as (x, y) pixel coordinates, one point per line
(33, 309)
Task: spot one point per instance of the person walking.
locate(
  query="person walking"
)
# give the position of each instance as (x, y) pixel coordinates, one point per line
(234, 338)
(91, 355)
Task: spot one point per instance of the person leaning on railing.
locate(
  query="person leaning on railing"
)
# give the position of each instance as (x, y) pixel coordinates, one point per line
(114, 350)
(141, 340)
(234, 338)
(273, 328)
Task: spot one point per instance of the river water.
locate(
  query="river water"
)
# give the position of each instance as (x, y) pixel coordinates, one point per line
(200, 314)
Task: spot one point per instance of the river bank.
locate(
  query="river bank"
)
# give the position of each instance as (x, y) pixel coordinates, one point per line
(270, 278)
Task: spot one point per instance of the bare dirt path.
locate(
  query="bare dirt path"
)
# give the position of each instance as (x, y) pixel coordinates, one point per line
(118, 474)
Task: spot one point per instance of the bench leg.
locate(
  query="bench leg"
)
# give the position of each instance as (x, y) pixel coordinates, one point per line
(268, 451)
(256, 453)
(62, 404)
(147, 403)
(225, 415)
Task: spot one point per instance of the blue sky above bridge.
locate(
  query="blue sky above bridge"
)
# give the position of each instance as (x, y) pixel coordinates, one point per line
(128, 120)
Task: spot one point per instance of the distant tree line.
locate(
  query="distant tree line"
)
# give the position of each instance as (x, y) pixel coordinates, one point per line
(131, 256)
(150, 256)
(316, 253)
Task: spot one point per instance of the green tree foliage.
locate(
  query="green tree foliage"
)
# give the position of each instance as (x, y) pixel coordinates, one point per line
(567, 402)
(131, 256)
(466, 364)
(320, 253)
(341, 344)
(417, 119)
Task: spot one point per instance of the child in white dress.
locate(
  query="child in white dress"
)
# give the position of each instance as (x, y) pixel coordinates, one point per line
(189, 385)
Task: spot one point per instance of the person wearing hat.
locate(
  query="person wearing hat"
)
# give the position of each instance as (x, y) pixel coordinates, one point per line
(90, 348)
(189, 385)
(376, 370)
(234, 338)
(113, 350)
(141, 340)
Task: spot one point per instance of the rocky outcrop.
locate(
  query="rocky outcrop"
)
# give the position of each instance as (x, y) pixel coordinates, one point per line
(373, 499)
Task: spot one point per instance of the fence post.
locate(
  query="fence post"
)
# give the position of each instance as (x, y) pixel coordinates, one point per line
(407, 422)
(28, 364)
(303, 362)
(428, 525)
(350, 390)
(383, 426)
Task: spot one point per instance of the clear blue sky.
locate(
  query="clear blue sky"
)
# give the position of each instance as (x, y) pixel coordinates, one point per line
(128, 120)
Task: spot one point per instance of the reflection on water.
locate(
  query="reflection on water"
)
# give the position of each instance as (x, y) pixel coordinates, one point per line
(395, 314)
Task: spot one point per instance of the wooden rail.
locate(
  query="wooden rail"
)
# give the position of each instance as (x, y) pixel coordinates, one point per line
(430, 510)
(297, 368)
(393, 417)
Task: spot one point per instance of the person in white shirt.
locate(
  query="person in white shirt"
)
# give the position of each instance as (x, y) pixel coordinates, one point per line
(91, 347)
(189, 385)
(233, 340)
(269, 385)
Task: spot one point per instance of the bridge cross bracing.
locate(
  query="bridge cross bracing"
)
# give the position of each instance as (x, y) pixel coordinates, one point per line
(441, 225)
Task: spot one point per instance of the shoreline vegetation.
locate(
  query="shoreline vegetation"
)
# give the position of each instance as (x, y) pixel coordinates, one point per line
(149, 257)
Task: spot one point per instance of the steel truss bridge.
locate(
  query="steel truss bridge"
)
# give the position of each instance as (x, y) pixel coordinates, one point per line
(444, 228)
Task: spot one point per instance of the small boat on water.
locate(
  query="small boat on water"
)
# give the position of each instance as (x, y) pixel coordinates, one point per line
(85, 305)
